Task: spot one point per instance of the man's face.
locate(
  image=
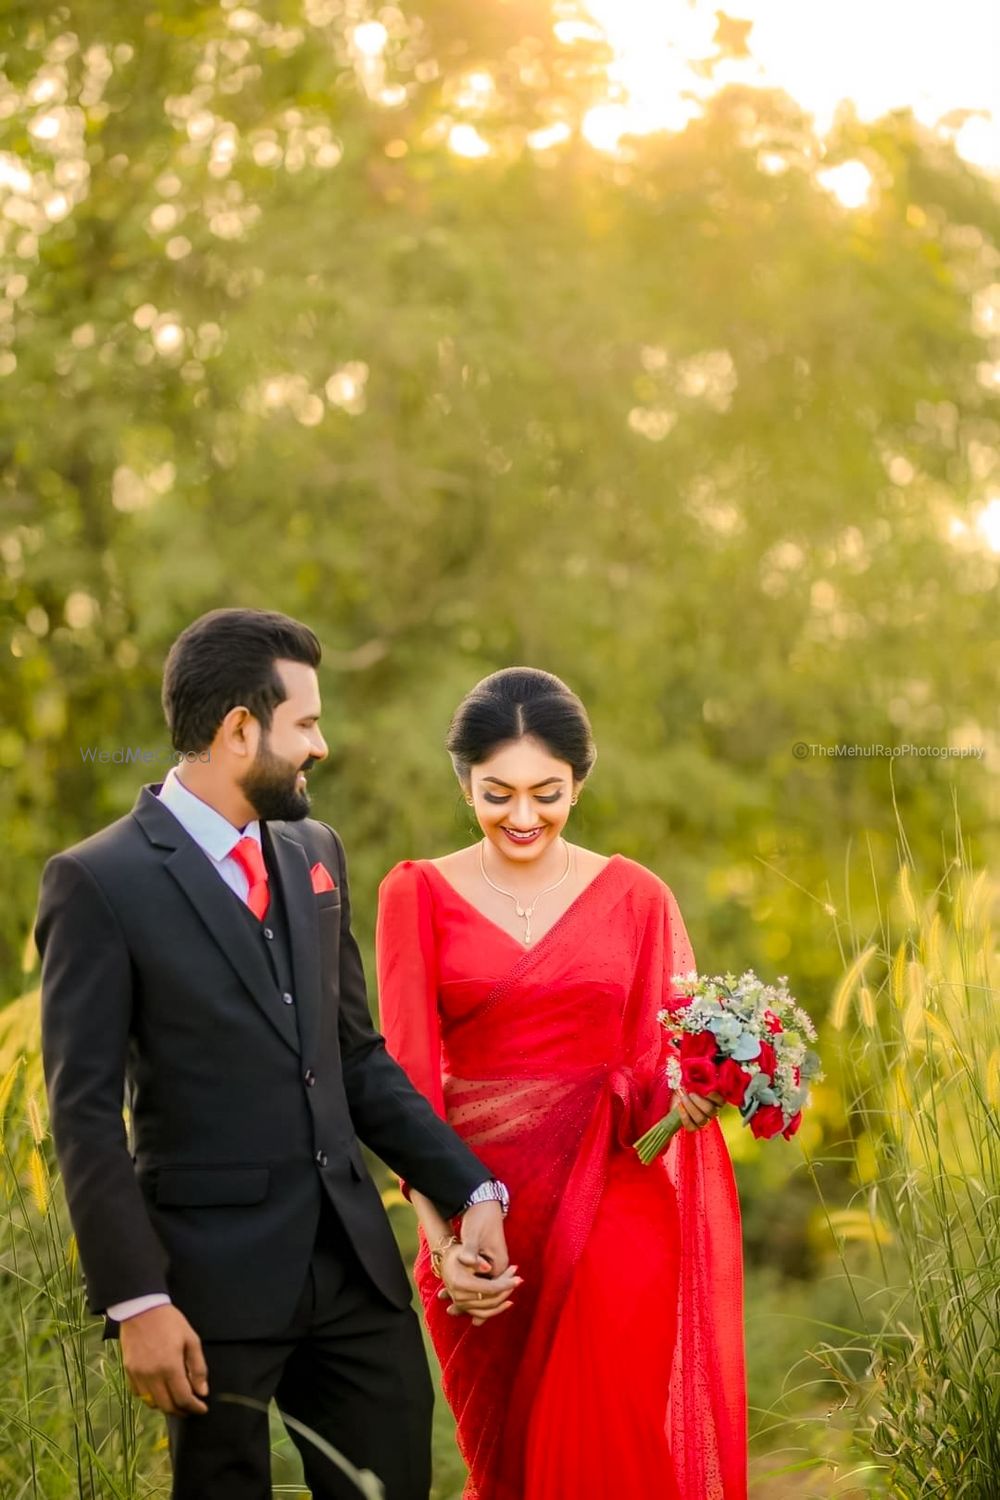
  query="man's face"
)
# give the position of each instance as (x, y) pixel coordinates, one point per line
(275, 785)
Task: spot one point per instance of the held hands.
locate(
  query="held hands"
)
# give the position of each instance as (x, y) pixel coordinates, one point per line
(467, 1282)
(164, 1361)
(476, 1271)
(696, 1110)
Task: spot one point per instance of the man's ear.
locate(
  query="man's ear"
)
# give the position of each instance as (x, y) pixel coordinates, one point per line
(239, 731)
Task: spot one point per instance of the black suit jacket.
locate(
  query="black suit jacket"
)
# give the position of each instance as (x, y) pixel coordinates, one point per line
(243, 1110)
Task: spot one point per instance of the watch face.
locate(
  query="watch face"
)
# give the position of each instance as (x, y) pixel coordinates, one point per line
(491, 1192)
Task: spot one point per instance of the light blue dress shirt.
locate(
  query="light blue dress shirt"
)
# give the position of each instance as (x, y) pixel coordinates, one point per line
(210, 830)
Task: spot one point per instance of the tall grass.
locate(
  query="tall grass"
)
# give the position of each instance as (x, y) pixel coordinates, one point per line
(71, 1427)
(919, 1013)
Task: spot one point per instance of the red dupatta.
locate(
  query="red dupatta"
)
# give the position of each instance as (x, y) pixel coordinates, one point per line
(548, 1070)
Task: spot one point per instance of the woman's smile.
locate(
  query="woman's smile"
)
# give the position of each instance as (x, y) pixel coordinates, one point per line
(522, 836)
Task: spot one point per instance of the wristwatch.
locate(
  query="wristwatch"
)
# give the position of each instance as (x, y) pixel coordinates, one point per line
(489, 1192)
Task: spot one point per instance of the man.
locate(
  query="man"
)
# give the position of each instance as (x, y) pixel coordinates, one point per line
(197, 958)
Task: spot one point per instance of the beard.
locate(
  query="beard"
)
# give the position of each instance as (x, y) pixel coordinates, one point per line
(269, 786)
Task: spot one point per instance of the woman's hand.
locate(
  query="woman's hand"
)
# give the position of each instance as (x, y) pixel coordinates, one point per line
(471, 1289)
(696, 1110)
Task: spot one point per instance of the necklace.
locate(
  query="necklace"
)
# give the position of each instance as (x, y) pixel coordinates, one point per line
(523, 911)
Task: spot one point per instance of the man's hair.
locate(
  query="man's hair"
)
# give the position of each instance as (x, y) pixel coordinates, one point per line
(226, 659)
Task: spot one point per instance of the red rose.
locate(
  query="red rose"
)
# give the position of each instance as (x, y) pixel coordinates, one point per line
(792, 1126)
(772, 1022)
(767, 1059)
(698, 1075)
(699, 1044)
(732, 1081)
(766, 1121)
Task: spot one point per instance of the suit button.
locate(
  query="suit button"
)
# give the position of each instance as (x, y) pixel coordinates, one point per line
(288, 999)
(310, 1077)
(321, 1158)
(269, 933)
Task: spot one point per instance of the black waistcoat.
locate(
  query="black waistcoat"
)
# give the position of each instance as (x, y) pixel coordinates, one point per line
(272, 933)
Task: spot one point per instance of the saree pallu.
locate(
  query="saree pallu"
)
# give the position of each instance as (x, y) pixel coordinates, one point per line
(619, 1370)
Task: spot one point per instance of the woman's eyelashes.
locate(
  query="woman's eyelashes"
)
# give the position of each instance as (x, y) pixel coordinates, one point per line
(492, 797)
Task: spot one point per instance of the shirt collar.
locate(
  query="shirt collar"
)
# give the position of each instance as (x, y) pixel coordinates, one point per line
(209, 829)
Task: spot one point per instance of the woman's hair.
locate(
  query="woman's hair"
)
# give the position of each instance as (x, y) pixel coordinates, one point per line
(224, 659)
(512, 704)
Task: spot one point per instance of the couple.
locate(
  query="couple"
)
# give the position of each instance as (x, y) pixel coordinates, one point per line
(197, 958)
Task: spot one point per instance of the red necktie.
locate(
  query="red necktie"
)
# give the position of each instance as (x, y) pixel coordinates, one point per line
(250, 857)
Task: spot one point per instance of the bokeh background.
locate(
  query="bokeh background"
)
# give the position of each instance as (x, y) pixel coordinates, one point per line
(654, 344)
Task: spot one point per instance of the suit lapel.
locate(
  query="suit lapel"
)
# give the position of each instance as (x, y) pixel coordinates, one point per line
(292, 863)
(216, 907)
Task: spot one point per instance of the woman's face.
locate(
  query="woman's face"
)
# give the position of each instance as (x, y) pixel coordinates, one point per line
(521, 796)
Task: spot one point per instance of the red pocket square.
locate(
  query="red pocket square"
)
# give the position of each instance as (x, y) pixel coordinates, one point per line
(322, 879)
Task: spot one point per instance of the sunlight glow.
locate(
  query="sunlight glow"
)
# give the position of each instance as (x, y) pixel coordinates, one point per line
(465, 140)
(988, 523)
(46, 127)
(850, 183)
(57, 207)
(370, 38)
(605, 124)
(879, 57)
(569, 32)
(549, 136)
(168, 336)
(346, 387)
(978, 142)
(475, 92)
(13, 174)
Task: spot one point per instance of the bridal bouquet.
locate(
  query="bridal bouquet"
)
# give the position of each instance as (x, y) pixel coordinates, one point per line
(747, 1041)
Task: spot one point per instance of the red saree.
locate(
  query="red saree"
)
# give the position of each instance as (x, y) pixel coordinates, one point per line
(619, 1372)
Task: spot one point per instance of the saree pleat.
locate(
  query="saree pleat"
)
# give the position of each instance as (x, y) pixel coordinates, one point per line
(619, 1371)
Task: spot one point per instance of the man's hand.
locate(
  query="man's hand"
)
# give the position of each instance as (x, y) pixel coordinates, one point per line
(696, 1110)
(164, 1361)
(471, 1286)
(482, 1235)
(477, 1273)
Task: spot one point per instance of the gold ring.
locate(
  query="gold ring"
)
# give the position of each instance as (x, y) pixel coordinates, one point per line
(479, 1296)
(147, 1400)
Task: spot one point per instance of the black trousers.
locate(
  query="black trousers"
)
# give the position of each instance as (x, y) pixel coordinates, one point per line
(350, 1366)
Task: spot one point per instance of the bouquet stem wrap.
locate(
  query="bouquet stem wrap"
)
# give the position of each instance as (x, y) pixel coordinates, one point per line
(655, 1141)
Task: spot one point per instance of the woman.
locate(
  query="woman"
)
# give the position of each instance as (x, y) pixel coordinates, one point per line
(520, 982)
